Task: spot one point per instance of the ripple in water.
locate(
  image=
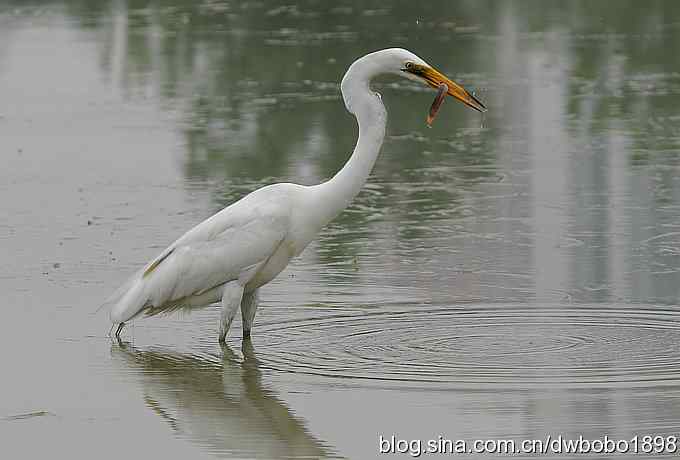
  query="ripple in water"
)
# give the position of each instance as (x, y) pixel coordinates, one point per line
(478, 346)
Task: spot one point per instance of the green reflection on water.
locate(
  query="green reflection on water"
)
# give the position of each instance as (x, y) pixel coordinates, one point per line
(582, 136)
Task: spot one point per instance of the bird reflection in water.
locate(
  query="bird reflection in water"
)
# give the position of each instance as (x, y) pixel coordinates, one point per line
(220, 405)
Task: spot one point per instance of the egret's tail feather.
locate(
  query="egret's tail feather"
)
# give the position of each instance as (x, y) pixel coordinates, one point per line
(118, 294)
(128, 301)
(169, 307)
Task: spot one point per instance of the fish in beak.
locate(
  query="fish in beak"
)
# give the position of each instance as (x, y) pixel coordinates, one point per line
(445, 86)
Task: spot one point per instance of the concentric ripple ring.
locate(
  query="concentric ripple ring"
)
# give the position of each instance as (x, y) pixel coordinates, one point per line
(483, 346)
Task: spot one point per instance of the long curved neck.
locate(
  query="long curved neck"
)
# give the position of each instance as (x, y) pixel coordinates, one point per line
(337, 193)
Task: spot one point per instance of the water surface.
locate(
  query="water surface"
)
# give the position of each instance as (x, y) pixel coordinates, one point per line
(511, 277)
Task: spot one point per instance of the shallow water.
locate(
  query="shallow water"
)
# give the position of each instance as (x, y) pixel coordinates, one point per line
(506, 280)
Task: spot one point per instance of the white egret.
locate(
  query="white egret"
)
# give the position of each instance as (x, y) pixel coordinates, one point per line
(230, 255)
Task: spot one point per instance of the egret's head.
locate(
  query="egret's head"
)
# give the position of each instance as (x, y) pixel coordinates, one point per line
(416, 69)
(398, 61)
(401, 62)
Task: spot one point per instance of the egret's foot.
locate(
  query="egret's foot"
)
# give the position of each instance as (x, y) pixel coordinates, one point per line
(120, 328)
(246, 334)
(248, 351)
(225, 325)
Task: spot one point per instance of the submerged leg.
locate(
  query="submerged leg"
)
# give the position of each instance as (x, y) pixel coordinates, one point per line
(248, 309)
(120, 328)
(231, 299)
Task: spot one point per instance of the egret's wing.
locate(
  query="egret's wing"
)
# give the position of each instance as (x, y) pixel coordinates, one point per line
(230, 245)
(191, 268)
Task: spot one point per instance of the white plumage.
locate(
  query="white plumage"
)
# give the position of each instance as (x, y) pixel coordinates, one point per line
(230, 255)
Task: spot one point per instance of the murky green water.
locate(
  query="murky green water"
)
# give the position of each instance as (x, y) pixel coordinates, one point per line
(511, 277)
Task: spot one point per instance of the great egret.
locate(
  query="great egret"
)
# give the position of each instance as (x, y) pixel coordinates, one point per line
(230, 255)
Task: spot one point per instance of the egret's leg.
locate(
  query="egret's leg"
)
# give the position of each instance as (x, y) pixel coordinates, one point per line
(248, 309)
(120, 328)
(231, 299)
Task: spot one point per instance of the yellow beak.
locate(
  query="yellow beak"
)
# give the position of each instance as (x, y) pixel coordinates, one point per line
(434, 78)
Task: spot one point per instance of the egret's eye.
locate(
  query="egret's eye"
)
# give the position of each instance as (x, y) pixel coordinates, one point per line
(409, 65)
